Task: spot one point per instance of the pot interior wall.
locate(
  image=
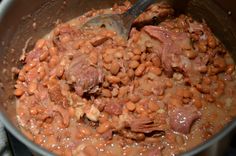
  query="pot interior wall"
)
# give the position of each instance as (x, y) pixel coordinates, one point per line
(17, 27)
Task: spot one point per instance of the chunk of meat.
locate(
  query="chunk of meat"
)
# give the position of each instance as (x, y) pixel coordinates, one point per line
(144, 125)
(182, 118)
(84, 76)
(168, 45)
(56, 96)
(98, 40)
(158, 10)
(113, 108)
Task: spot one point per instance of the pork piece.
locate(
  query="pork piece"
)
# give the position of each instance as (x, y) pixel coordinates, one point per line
(169, 46)
(83, 75)
(56, 96)
(144, 125)
(114, 107)
(155, 11)
(182, 118)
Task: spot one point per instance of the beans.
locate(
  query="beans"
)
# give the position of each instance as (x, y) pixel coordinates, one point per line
(53, 51)
(53, 61)
(153, 106)
(107, 58)
(230, 69)
(40, 43)
(211, 41)
(41, 72)
(118, 54)
(43, 56)
(112, 79)
(84, 131)
(130, 73)
(139, 71)
(33, 111)
(175, 102)
(187, 93)
(90, 150)
(123, 91)
(137, 51)
(155, 70)
(190, 54)
(219, 62)
(130, 106)
(133, 64)
(60, 71)
(134, 98)
(143, 57)
(202, 46)
(125, 80)
(156, 61)
(102, 128)
(136, 57)
(71, 111)
(93, 57)
(32, 87)
(115, 67)
(19, 92)
(197, 102)
(106, 93)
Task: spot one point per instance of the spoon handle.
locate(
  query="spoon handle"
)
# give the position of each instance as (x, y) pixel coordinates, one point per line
(139, 7)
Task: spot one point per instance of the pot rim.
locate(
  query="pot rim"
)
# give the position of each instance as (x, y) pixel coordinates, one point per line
(4, 5)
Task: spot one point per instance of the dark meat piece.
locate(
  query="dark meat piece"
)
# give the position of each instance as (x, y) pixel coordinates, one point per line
(169, 46)
(107, 135)
(182, 118)
(96, 41)
(113, 107)
(144, 125)
(56, 96)
(132, 135)
(85, 77)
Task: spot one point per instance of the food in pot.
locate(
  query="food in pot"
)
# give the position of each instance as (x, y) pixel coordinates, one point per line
(89, 92)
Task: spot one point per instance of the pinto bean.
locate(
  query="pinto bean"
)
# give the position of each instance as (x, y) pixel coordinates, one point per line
(133, 64)
(53, 51)
(84, 131)
(137, 51)
(130, 73)
(106, 93)
(107, 58)
(60, 71)
(155, 70)
(118, 54)
(90, 150)
(153, 106)
(43, 56)
(134, 98)
(230, 69)
(211, 41)
(139, 71)
(53, 61)
(136, 57)
(115, 67)
(19, 92)
(112, 79)
(40, 43)
(190, 54)
(102, 128)
(32, 87)
(130, 106)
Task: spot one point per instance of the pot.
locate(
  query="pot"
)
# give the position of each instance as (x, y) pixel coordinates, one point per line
(23, 20)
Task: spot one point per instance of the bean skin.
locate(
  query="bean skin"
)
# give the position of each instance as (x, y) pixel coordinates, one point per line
(113, 79)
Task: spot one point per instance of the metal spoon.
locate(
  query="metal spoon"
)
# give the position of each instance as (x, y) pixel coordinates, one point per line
(120, 23)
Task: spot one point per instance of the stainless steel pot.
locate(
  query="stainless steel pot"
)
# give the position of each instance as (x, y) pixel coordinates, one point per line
(18, 19)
